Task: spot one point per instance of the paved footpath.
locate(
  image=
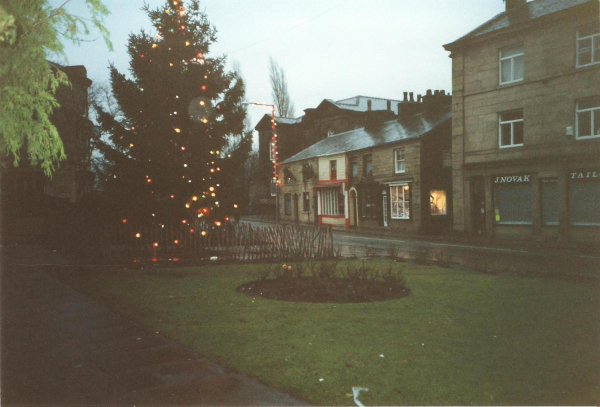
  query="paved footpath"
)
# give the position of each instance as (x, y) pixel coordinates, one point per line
(62, 348)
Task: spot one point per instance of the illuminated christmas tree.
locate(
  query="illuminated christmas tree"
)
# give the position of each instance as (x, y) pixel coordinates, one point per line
(165, 151)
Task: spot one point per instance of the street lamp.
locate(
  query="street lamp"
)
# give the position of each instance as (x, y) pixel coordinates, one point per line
(273, 153)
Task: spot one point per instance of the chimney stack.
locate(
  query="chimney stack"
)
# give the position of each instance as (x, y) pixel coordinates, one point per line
(409, 107)
(512, 5)
(419, 98)
(389, 105)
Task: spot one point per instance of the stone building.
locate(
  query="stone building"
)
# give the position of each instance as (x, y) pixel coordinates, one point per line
(387, 174)
(526, 123)
(30, 200)
(296, 134)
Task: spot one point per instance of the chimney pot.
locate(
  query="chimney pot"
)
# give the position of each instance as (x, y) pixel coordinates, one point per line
(406, 96)
(368, 104)
(419, 98)
(389, 105)
(412, 99)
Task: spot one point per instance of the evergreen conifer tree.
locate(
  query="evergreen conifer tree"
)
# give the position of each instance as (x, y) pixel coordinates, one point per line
(165, 150)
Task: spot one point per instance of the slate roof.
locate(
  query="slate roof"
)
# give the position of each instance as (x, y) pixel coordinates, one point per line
(380, 134)
(287, 120)
(359, 103)
(356, 103)
(533, 10)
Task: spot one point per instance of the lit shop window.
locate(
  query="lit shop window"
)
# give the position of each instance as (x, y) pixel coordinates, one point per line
(437, 201)
(400, 200)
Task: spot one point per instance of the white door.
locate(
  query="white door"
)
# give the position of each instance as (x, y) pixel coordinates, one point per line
(385, 216)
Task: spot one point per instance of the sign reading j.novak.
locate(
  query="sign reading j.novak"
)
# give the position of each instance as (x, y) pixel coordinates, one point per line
(507, 179)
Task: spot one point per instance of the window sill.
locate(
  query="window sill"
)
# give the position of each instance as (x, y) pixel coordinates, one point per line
(510, 82)
(511, 146)
(585, 224)
(508, 223)
(399, 218)
(587, 137)
(587, 65)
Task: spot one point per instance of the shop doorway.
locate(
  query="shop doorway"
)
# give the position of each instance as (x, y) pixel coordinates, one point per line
(478, 205)
(384, 208)
(296, 211)
(353, 208)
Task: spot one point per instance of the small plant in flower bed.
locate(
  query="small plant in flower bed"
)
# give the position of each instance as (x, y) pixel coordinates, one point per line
(324, 282)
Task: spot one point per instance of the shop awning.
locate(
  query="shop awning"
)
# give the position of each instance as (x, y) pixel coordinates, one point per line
(330, 185)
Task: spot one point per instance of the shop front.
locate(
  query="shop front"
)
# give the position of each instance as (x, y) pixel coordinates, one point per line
(332, 204)
(547, 203)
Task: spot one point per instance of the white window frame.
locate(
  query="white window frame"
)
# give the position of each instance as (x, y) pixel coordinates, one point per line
(512, 130)
(332, 164)
(405, 200)
(592, 124)
(397, 168)
(329, 201)
(594, 38)
(512, 66)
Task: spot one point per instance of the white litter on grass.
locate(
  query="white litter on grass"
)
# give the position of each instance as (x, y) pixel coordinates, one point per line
(214, 258)
(356, 391)
(381, 356)
(321, 380)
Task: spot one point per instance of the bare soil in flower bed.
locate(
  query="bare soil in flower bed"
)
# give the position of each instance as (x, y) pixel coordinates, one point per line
(308, 289)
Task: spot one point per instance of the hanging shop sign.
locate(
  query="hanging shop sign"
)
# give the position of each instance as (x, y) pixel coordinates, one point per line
(512, 179)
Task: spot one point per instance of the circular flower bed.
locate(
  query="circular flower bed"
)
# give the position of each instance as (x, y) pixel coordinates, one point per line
(309, 289)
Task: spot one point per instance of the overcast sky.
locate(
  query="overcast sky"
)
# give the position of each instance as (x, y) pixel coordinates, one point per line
(330, 49)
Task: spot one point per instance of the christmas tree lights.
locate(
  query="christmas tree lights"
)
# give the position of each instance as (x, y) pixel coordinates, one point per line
(162, 160)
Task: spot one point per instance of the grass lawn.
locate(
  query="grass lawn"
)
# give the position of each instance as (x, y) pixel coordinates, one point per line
(460, 338)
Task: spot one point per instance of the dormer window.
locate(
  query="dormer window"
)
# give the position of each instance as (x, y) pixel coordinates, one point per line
(330, 132)
(588, 45)
(511, 64)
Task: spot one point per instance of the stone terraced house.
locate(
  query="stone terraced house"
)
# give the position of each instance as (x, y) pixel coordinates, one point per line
(296, 134)
(387, 174)
(526, 123)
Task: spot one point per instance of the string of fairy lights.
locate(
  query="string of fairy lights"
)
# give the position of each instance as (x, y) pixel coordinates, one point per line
(177, 14)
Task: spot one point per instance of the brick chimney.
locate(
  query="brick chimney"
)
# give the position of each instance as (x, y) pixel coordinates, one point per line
(512, 5)
(435, 101)
(408, 107)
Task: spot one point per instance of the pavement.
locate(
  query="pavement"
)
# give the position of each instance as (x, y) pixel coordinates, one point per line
(62, 348)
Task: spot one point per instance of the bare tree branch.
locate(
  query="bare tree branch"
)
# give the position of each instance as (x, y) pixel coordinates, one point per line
(279, 90)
